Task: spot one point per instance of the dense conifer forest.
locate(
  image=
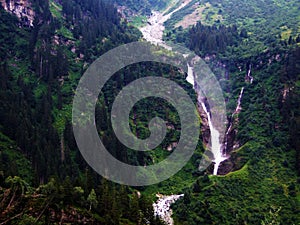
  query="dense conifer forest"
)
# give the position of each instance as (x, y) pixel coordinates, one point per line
(44, 179)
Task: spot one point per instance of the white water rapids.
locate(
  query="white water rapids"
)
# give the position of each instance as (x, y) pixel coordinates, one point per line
(162, 208)
(153, 31)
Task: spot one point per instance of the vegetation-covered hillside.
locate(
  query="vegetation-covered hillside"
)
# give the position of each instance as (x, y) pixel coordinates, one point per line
(143, 7)
(264, 185)
(243, 40)
(45, 180)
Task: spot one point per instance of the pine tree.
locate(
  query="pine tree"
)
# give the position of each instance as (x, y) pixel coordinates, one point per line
(92, 199)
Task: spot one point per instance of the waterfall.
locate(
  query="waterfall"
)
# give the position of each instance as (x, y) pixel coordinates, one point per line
(237, 111)
(190, 78)
(238, 107)
(216, 144)
(248, 76)
(153, 33)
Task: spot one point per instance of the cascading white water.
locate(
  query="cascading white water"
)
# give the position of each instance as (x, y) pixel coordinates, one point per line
(237, 110)
(153, 33)
(190, 78)
(249, 76)
(238, 107)
(216, 144)
(162, 207)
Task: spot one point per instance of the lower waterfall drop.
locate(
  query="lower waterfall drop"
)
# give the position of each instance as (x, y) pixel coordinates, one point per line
(216, 144)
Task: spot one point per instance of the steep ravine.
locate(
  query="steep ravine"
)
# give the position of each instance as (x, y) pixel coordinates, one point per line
(215, 138)
(230, 142)
(153, 33)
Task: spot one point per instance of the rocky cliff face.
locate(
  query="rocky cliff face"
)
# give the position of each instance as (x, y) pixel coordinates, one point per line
(205, 131)
(21, 8)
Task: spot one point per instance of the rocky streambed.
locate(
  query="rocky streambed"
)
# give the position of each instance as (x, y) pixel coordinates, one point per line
(162, 207)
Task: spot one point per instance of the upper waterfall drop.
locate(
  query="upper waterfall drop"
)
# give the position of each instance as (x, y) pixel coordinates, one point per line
(190, 78)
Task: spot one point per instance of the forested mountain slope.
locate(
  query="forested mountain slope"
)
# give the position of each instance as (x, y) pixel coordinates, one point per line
(46, 46)
(251, 46)
(254, 48)
(41, 66)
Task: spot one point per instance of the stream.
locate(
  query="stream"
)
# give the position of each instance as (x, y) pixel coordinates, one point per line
(153, 33)
(162, 207)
